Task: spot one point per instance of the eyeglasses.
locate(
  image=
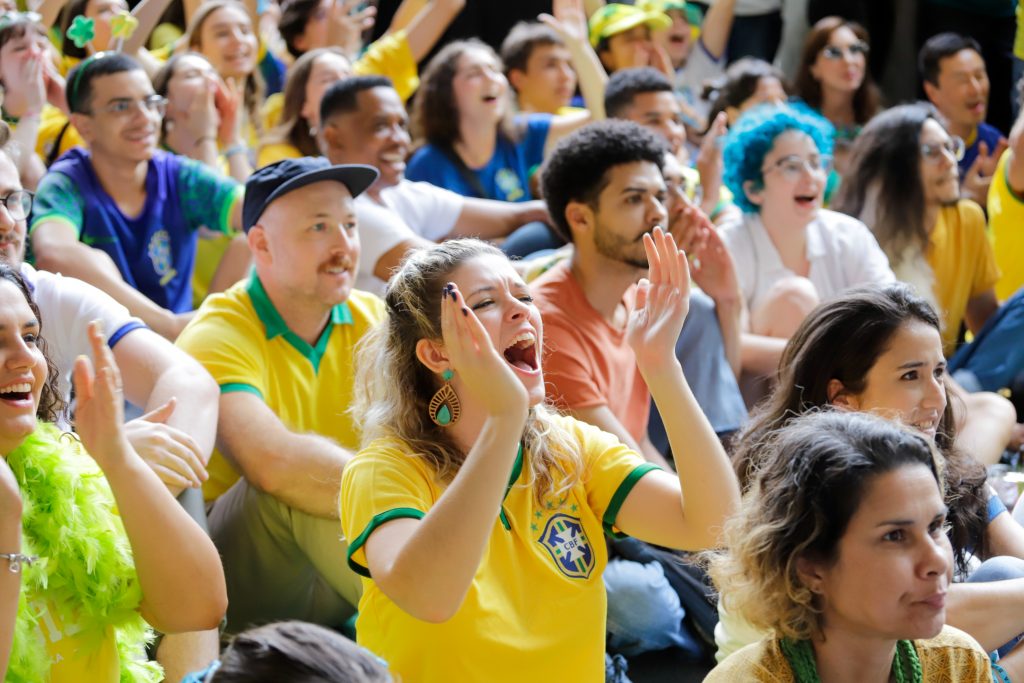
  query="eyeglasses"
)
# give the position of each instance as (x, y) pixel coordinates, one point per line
(860, 49)
(933, 153)
(792, 167)
(122, 107)
(19, 204)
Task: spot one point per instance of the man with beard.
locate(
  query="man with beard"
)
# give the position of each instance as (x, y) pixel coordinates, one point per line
(281, 346)
(124, 216)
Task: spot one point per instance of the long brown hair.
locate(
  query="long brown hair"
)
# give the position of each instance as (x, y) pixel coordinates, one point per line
(842, 339)
(293, 128)
(393, 388)
(866, 100)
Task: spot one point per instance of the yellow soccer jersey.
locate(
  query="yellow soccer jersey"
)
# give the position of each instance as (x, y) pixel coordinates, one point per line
(536, 608)
(1006, 221)
(241, 339)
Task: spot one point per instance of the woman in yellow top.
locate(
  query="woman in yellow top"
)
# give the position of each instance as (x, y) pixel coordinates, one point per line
(840, 550)
(475, 513)
(85, 555)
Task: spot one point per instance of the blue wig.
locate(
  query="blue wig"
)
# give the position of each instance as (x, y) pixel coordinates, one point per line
(753, 136)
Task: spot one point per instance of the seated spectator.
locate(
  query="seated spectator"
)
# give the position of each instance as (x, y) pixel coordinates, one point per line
(1006, 214)
(538, 66)
(903, 182)
(124, 216)
(747, 83)
(878, 350)
(365, 123)
(101, 13)
(621, 35)
(473, 146)
(839, 552)
(280, 345)
(834, 81)
(789, 252)
(293, 651)
(500, 514)
(956, 82)
(84, 568)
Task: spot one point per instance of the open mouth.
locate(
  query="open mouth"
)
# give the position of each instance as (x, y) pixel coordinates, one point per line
(490, 99)
(806, 199)
(16, 392)
(521, 353)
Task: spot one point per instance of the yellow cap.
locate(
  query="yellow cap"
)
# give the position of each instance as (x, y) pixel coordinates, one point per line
(616, 18)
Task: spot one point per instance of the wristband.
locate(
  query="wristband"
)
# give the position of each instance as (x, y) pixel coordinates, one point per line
(235, 149)
(15, 560)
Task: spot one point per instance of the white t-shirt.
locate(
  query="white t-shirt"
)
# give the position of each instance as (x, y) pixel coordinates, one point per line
(67, 306)
(407, 209)
(841, 250)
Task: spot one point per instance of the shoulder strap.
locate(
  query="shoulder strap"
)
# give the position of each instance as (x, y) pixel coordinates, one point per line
(55, 150)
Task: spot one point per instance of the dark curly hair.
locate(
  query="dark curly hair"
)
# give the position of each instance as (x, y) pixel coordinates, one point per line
(625, 84)
(578, 168)
(842, 339)
(739, 84)
(51, 404)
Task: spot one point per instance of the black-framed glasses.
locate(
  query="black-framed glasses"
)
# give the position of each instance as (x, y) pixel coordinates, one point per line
(123, 107)
(18, 204)
(953, 146)
(858, 49)
(792, 166)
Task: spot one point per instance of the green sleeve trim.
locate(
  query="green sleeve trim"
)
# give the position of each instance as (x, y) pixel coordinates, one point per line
(228, 208)
(1009, 187)
(55, 218)
(620, 496)
(232, 387)
(378, 520)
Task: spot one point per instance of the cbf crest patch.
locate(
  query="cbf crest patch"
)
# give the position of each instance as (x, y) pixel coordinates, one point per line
(569, 546)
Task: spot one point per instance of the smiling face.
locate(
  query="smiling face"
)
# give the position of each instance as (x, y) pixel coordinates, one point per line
(791, 194)
(841, 64)
(479, 87)
(502, 303)
(893, 563)
(548, 82)
(129, 135)
(22, 367)
(376, 134)
(328, 69)
(227, 40)
(961, 93)
(907, 381)
(940, 176)
(307, 244)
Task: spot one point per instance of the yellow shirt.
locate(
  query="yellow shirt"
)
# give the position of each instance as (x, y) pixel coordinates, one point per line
(536, 608)
(241, 339)
(77, 656)
(963, 264)
(950, 657)
(274, 152)
(1006, 223)
(52, 132)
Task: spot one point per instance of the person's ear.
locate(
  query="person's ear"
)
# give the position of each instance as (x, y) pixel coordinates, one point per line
(580, 218)
(839, 397)
(515, 79)
(331, 140)
(754, 191)
(811, 575)
(433, 355)
(258, 244)
(930, 91)
(83, 124)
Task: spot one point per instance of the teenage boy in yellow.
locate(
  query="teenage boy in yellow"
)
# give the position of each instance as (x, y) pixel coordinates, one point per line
(280, 346)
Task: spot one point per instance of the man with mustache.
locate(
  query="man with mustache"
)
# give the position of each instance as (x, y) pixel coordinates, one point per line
(280, 345)
(124, 216)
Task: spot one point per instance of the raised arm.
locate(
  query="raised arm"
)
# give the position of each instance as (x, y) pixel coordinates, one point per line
(429, 24)
(301, 470)
(717, 24)
(490, 219)
(426, 566)
(178, 566)
(687, 510)
(570, 22)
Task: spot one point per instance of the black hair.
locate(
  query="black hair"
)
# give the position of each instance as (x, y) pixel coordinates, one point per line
(940, 47)
(578, 168)
(79, 86)
(738, 84)
(521, 41)
(343, 96)
(295, 14)
(298, 652)
(625, 84)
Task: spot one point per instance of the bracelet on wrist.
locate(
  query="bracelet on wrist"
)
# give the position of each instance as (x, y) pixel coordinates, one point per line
(15, 560)
(235, 149)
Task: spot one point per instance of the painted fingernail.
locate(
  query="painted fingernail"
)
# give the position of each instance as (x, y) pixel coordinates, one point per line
(465, 311)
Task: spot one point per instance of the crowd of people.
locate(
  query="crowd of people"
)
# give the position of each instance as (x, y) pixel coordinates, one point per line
(347, 341)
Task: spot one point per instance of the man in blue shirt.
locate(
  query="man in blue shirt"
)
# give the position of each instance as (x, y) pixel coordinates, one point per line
(123, 215)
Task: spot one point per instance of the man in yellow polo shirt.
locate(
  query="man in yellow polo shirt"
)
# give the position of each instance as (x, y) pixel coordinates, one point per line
(280, 345)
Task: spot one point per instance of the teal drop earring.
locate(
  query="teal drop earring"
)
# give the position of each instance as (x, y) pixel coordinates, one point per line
(445, 408)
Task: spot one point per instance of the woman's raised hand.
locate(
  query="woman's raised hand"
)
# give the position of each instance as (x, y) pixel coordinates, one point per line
(99, 414)
(662, 301)
(487, 378)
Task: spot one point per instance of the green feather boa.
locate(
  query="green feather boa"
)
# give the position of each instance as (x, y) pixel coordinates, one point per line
(86, 573)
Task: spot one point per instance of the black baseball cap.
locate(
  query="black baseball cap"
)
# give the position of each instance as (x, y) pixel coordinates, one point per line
(277, 180)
